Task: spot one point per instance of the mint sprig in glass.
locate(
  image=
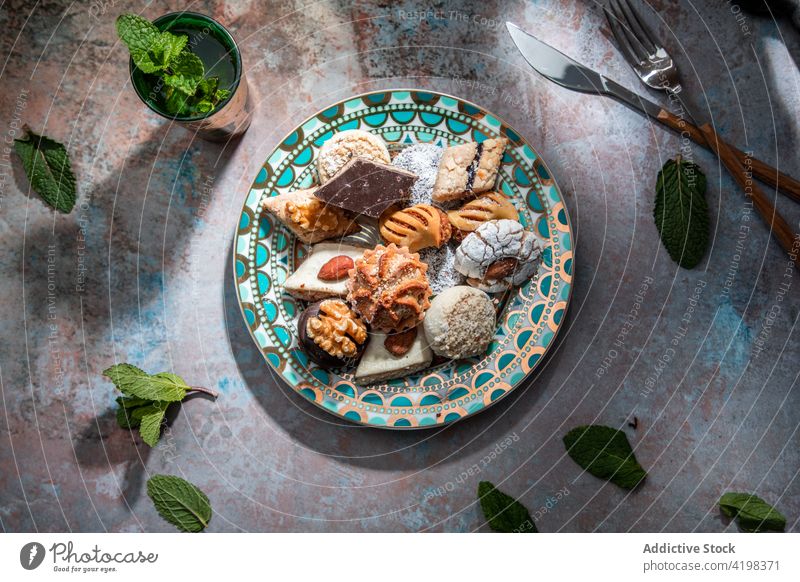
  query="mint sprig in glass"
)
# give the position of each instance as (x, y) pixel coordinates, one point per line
(186, 67)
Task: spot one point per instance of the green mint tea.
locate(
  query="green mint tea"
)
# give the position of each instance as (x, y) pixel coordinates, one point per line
(199, 84)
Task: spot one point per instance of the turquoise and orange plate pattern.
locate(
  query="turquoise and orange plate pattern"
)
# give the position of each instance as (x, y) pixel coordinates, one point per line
(265, 253)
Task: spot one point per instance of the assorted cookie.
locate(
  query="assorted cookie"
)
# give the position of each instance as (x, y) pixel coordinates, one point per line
(469, 168)
(344, 146)
(486, 207)
(308, 217)
(380, 363)
(389, 289)
(323, 273)
(460, 322)
(331, 333)
(416, 227)
(367, 188)
(500, 254)
(421, 291)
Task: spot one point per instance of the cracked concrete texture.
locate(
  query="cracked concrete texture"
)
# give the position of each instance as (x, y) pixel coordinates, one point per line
(140, 272)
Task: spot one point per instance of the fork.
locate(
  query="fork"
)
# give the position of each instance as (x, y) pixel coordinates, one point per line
(646, 55)
(652, 63)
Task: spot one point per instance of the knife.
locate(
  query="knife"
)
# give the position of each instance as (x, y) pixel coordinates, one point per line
(568, 73)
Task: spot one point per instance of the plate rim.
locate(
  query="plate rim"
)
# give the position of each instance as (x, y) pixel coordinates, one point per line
(567, 303)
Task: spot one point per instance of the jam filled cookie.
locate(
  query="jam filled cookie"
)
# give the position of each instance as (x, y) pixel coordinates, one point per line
(468, 169)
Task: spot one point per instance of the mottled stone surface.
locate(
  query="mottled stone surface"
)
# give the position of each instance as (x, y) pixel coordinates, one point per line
(141, 272)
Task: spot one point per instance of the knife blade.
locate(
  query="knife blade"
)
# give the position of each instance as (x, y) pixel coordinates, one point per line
(564, 71)
(569, 73)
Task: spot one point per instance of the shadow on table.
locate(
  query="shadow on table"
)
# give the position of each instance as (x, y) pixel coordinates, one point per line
(125, 273)
(103, 445)
(368, 447)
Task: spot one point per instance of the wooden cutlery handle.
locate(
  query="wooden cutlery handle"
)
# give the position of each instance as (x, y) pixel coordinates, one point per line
(763, 171)
(780, 228)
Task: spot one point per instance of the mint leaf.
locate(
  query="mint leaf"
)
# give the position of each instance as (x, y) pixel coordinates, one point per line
(185, 73)
(151, 418)
(504, 513)
(175, 102)
(146, 398)
(46, 164)
(127, 405)
(605, 453)
(125, 419)
(752, 513)
(123, 377)
(132, 381)
(179, 502)
(166, 55)
(164, 50)
(681, 211)
(138, 34)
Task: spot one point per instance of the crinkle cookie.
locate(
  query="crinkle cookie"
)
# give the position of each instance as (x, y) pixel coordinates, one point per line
(338, 150)
(498, 255)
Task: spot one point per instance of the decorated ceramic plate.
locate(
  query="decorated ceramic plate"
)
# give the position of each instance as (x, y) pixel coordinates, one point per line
(266, 253)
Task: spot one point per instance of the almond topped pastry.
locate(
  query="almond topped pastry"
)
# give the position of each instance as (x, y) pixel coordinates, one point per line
(310, 218)
(389, 289)
(486, 207)
(417, 227)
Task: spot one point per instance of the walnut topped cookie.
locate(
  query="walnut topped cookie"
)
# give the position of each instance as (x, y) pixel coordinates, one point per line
(331, 333)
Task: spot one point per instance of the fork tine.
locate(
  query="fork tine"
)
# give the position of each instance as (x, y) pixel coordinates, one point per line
(617, 29)
(625, 26)
(642, 31)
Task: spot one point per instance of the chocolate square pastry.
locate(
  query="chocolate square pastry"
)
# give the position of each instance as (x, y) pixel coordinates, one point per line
(366, 187)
